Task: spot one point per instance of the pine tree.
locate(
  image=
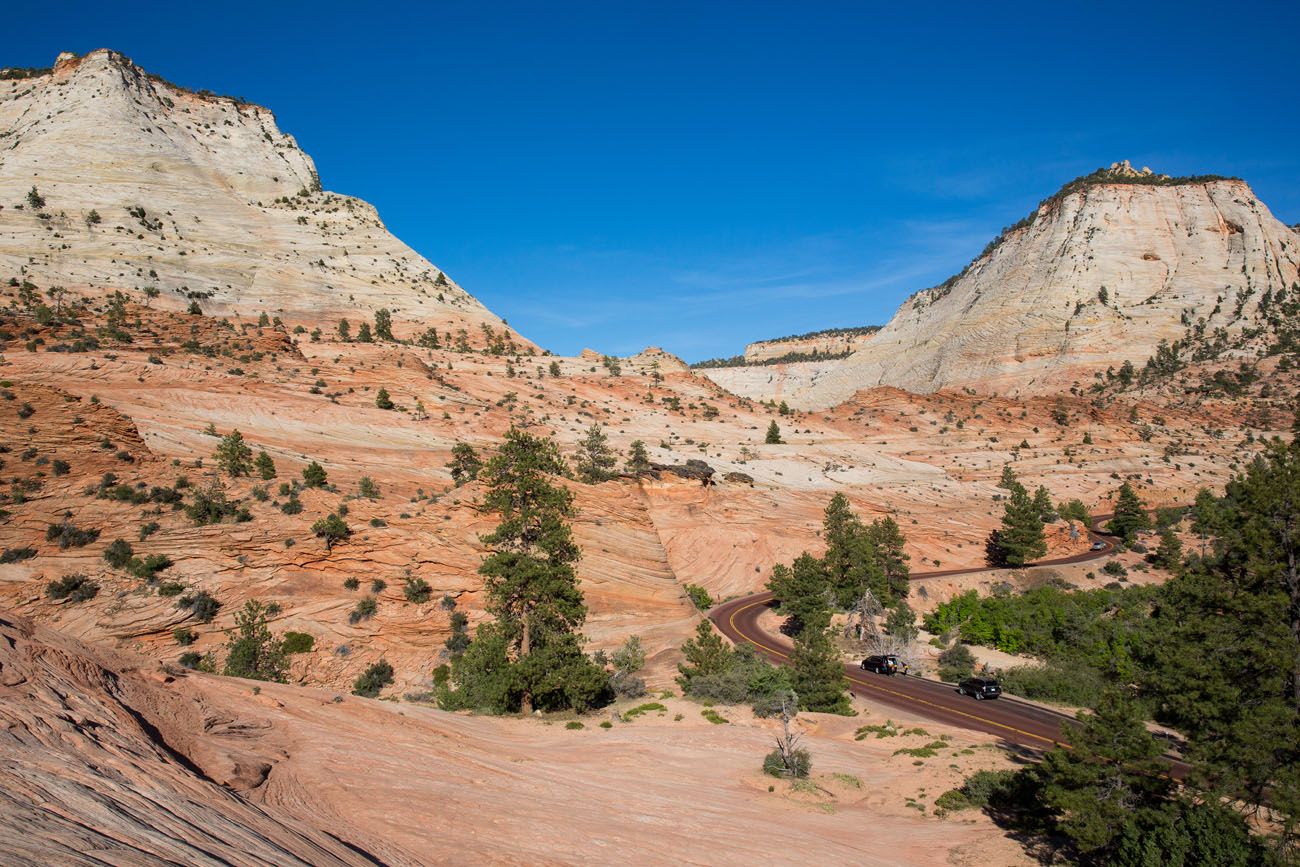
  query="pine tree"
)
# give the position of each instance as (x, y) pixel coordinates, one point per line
(382, 399)
(774, 434)
(332, 529)
(1226, 651)
(1008, 480)
(363, 333)
(851, 563)
(817, 673)
(706, 654)
(1043, 503)
(345, 330)
(465, 464)
(530, 654)
(804, 593)
(1130, 515)
(901, 622)
(265, 466)
(1113, 776)
(314, 476)
(383, 324)
(555, 368)
(1021, 538)
(251, 650)
(595, 460)
(233, 455)
(888, 542)
(1169, 554)
(638, 460)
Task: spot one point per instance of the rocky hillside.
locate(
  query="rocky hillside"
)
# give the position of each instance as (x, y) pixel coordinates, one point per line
(113, 178)
(830, 342)
(1098, 275)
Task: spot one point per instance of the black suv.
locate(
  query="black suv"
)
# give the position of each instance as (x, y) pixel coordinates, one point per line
(980, 688)
(881, 664)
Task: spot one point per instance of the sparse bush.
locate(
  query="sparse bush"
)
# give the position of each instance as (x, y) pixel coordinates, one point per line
(417, 590)
(184, 636)
(203, 605)
(314, 475)
(373, 679)
(799, 766)
(68, 535)
(17, 555)
(351, 583)
(956, 663)
(365, 610)
(74, 588)
(118, 554)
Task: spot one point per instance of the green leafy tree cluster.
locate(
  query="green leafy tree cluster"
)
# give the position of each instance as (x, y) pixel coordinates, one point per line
(715, 671)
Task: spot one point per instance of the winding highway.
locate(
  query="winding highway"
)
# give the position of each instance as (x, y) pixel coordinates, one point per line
(1014, 721)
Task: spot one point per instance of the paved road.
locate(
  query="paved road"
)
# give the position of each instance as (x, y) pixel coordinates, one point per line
(1014, 721)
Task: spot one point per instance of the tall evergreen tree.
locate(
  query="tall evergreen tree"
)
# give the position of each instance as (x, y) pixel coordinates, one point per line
(1043, 503)
(804, 593)
(595, 461)
(1226, 654)
(1008, 480)
(1130, 516)
(1021, 538)
(465, 464)
(383, 324)
(1111, 777)
(887, 541)
(531, 654)
(265, 466)
(817, 673)
(252, 651)
(637, 458)
(233, 455)
(850, 563)
(773, 437)
(706, 654)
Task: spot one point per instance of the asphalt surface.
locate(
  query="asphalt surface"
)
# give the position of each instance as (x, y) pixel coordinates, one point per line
(1015, 722)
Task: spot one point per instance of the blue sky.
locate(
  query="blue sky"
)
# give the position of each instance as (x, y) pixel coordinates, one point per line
(698, 175)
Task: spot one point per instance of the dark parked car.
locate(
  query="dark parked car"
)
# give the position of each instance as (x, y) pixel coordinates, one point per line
(980, 688)
(883, 664)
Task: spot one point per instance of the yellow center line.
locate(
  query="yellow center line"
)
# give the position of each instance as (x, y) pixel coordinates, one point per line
(732, 621)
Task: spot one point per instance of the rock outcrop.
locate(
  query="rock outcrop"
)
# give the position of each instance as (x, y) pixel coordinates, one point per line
(1098, 275)
(140, 183)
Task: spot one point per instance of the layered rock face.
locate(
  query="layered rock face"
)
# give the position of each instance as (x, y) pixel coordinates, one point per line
(1098, 275)
(836, 341)
(146, 184)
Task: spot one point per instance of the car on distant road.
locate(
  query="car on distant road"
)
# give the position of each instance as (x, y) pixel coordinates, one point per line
(883, 665)
(1099, 546)
(980, 688)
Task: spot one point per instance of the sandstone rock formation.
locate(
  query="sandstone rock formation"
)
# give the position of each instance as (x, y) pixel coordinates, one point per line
(1098, 275)
(831, 342)
(201, 197)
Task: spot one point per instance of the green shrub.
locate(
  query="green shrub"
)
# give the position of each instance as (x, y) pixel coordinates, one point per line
(798, 767)
(365, 610)
(147, 567)
(573, 725)
(417, 590)
(1059, 682)
(713, 716)
(956, 663)
(298, 642)
(373, 679)
(640, 709)
(68, 535)
(74, 588)
(184, 636)
(351, 583)
(203, 605)
(699, 597)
